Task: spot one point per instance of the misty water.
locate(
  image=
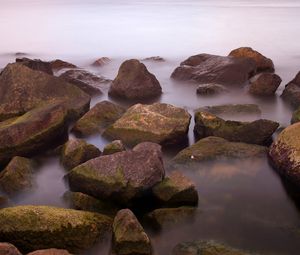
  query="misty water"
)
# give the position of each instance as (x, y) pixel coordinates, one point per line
(245, 204)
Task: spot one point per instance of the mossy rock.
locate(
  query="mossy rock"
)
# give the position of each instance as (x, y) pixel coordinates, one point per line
(296, 116)
(8, 249)
(114, 147)
(33, 228)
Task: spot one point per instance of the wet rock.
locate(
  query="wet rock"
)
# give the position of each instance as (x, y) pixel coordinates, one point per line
(264, 84)
(296, 116)
(158, 123)
(17, 176)
(33, 228)
(22, 89)
(255, 132)
(155, 59)
(263, 63)
(50, 252)
(101, 62)
(205, 247)
(8, 249)
(77, 151)
(176, 190)
(98, 118)
(32, 132)
(129, 237)
(212, 148)
(211, 89)
(206, 68)
(58, 64)
(291, 92)
(114, 147)
(134, 81)
(120, 177)
(3, 201)
(84, 202)
(36, 64)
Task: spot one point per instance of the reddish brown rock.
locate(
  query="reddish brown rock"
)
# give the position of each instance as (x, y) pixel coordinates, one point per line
(50, 252)
(264, 84)
(8, 249)
(291, 92)
(36, 64)
(101, 62)
(58, 64)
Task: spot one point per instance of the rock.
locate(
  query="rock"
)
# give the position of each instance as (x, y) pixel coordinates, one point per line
(3, 202)
(296, 116)
(291, 92)
(101, 62)
(134, 81)
(58, 64)
(155, 59)
(212, 148)
(129, 237)
(264, 84)
(206, 68)
(50, 252)
(263, 63)
(8, 249)
(36, 64)
(211, 89)
(77, 151)
(84, 202)
(114, 147)
(158, 123)
(17, 176)
(205, 247)
(120, 177)
(32, 132)
(176, 190)
(255, 132)
(33, 228)
(22, 89)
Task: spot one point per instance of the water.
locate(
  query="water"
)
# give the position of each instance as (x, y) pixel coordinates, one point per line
(245, 204)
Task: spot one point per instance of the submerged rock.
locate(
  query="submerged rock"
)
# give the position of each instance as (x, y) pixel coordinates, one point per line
(206, 68)
(158, 123)
(255, 132)
(211, 89)
(134, 81)
(32, 228)
(58, 64)
(122, 176)
(114, 147)
(8, 249)
(291, 92)
(77, 151)
(98, 118)
(155, 59)
(36, 64)
(50, 252)
(129, 237)
(101, 61)
(264, 84)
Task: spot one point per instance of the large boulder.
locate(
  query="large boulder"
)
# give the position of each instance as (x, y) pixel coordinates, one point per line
(17, 176)
(122, 176)
(206, 68)
(8, 249)
(114, 147)
(211, 89)
(32, 132)
(255, 132)
(22, 89)
(98, 118)
(36, 64)
(291, 92)
(158, 123)
(134, 81)
(264, 84)
(212, 148)
(129, 237)
(58, 64)
(33, 228)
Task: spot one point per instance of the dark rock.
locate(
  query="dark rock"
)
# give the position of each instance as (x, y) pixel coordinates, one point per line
(264, 84)
(50, 252)
(291, 92)
(3, 201)
(8, 249)
(101, 62)
(114, 147)
(58, 64)
(134, 81)
(36, 64)
(296, 116)
(211, 89)
(155, 59)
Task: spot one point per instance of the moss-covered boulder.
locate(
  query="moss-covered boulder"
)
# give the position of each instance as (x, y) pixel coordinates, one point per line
(264, 84)
(255, 132)
(114, 147)
(158, 123)
(36, 64)
(211, 89)
(120, 177)
(77, 151)
(33, 228)
(98, 118)
(291, 92)
(129, 237)
(296, 116)
(32, 132)
(134, 81)
(8, 249)
(58, 64)
(212, 148)
(17, 176)
(176, 190)
(23, 89)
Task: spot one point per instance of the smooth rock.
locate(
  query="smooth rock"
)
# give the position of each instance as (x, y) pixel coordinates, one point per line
(36, 64)
(211, 89)
(50, 252)
(114, 147)
(291, 92)
(8, 249)
(58, 64)
(264, 84)
(101, 62)
(155, 59)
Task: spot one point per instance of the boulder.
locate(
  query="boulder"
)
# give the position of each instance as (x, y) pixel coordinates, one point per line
(77, 151)
(296, 116)
(154, 59)
(17, 176)
(264, 84)
(158, 123)
(291, 92)
(101, 62)
(8, 249)
(33, 132)
(129, 237)
(58, 64)
(255, 132)
(33, 228)
(114, 147)
(36, 64)
(120, 177)
(134, 81)
(176, 190)
(212, 148)
(211, 89)
(263, 63)
(3, 201)
(50, 252)
(22, 89)
(98, 118)
(206, 68)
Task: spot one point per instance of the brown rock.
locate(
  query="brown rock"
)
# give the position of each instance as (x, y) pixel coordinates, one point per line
(114, 147)
(101, 62)
(50, 252)
(264, 84)
(36, 64)
(291, 93)
(58, 64)
(211, 89)
(8, 249)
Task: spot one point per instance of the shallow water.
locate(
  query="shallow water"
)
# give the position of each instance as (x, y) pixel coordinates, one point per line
(245, 204)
